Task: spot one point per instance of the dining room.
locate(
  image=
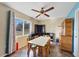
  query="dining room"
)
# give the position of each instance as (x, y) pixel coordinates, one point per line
(45, 30)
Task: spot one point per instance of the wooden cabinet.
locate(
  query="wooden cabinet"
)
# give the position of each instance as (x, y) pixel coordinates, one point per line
(66, 35)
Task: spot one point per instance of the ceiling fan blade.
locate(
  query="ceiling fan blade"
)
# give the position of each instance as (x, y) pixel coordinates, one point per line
(37, 15)
(36, 10)
(47, 15)
(49, 9)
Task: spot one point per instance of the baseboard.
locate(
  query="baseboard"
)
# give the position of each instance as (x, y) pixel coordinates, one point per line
(73, 55)
(9, 54)
(13, 52)
(68, 52)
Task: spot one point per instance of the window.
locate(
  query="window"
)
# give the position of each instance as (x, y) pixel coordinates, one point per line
(19, 27)
(26, 27)
(22, 27)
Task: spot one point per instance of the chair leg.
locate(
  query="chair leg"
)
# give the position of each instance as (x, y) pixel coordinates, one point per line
(39, 51)
(34, 52)
(28, 51)
(43, 51)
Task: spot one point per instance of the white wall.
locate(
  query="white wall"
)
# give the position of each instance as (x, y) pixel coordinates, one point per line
(58, 32)
(52, 26)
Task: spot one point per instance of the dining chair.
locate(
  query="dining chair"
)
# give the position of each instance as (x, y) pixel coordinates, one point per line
(32, 47)
(44, 51)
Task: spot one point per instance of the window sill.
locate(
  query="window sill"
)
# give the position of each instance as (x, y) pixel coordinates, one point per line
(22, 35)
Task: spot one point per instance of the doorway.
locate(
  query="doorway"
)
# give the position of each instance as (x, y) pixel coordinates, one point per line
(39, 28)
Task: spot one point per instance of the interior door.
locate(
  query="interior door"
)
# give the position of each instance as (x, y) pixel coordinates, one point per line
(76, 34)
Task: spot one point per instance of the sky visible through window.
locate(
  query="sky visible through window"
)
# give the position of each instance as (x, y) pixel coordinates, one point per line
(18, 21)
(22, 29)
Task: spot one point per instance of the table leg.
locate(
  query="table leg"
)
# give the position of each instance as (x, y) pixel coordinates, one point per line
(34, 52)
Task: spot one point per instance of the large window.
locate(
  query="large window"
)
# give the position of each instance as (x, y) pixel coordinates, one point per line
(22, 27)
(19, 27)
(26, 27)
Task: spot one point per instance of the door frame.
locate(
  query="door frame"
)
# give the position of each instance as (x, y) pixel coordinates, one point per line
(75, 53)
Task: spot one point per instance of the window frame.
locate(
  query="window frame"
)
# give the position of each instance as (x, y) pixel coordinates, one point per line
(30, 30)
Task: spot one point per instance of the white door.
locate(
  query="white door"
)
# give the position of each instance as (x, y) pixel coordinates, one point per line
(76, 34)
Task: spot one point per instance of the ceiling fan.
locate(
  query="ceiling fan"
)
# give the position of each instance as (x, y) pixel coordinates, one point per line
(42, 11)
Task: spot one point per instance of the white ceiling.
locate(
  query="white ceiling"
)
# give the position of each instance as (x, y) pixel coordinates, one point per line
(61, 8)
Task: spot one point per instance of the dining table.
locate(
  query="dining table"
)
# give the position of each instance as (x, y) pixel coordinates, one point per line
(43, 45)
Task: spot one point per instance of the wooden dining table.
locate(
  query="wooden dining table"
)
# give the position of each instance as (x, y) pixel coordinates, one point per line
(43, 44)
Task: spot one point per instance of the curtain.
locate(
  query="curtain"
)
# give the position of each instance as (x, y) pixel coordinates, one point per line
(10, 33)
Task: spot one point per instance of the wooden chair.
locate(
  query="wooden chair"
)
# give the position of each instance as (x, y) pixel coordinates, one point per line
(44, 51)
(32, 47)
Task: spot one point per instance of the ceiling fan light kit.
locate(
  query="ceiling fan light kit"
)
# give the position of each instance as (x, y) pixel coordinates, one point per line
(42, 11)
